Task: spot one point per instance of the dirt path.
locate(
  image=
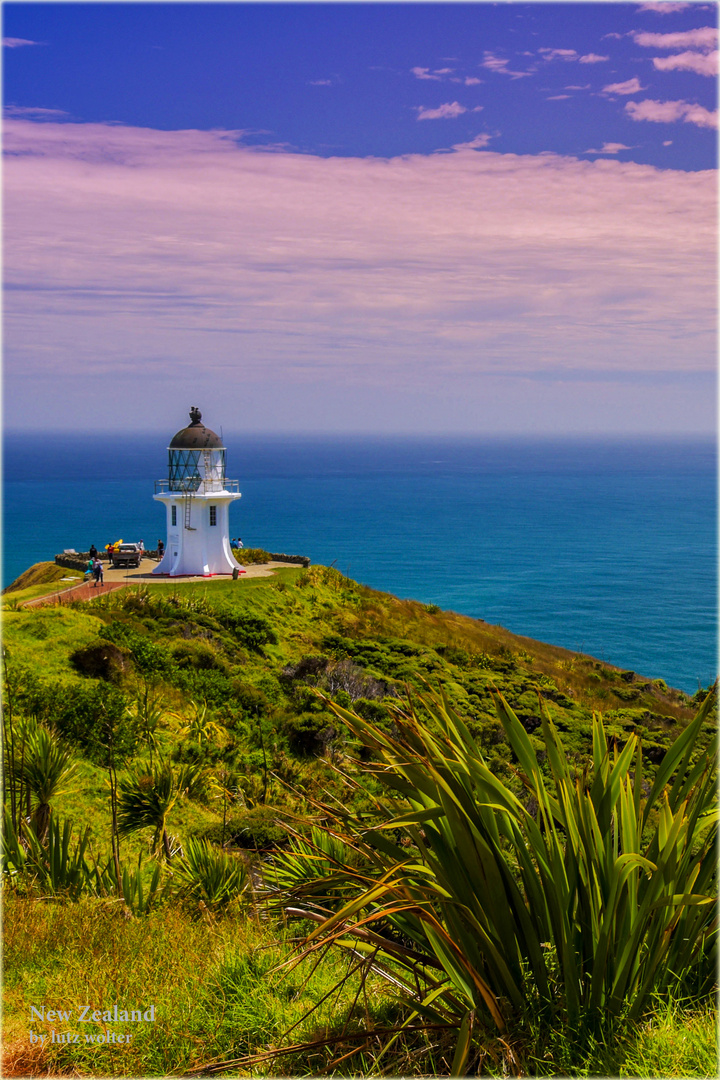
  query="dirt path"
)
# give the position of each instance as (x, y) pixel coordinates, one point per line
(85, 591)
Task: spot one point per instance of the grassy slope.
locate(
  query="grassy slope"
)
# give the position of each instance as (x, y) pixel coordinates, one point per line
(384, 643)
(44, 573)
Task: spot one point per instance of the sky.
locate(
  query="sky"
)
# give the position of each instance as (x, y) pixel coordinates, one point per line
(482, 218)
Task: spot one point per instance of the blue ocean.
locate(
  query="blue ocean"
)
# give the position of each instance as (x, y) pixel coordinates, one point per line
(605, 547)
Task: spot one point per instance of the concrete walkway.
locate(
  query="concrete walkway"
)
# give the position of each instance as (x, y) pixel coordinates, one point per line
(143, 574)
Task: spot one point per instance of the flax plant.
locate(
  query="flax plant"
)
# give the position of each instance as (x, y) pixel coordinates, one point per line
(582, 901)
(147, 798)
(48, 770)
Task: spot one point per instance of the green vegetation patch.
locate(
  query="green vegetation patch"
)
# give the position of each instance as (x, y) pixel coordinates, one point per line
(43, 573)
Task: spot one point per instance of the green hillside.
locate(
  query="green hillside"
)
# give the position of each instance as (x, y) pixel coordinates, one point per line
(226, 690)
(254, 652)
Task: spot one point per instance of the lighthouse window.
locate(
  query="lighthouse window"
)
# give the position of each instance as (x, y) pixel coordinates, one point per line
(173, 515)
(213, 515)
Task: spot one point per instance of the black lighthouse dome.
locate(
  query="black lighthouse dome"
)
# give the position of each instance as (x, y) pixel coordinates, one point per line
(195, 436)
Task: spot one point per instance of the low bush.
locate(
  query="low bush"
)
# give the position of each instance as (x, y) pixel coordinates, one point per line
(103, 660)
(258, 828)
(303, 730)
(94, 717)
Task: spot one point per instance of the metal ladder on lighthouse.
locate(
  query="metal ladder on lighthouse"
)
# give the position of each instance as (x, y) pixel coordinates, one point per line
(187, 508)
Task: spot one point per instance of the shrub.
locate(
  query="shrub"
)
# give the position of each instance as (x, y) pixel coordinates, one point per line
(149, 658)
(207, 875)
(198, 655)
(103, 660)
(252, 631)
(302, 730)
(94, 718)
(256, 828)
(250, 699)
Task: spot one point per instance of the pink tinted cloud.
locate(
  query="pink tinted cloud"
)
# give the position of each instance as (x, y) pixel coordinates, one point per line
(631, 86)
(478, 143)
(670, 112)
(558, 54)
(701, 63)
(610, 148)
(593, 58)
(424, 73)
(499, 65)
(33, 112)
(233, 265)
(705, 37)
(447, 111)
(18, 42)
(664, 7)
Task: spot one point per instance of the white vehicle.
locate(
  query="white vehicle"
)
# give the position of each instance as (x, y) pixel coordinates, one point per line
(126, 555)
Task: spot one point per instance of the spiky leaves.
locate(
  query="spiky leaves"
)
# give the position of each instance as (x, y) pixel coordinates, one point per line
(587, 905)
(147, 798)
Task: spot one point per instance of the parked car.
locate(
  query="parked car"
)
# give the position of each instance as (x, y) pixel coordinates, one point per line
(126, 555)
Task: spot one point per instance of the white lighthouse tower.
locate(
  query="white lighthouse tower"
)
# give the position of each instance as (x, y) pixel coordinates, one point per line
(197, 498)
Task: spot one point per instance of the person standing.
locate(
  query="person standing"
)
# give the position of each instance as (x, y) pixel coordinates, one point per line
(160, 550)
(92, 552)
(98, 572)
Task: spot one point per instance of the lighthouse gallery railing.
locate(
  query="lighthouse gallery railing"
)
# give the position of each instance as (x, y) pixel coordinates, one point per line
(194, 485)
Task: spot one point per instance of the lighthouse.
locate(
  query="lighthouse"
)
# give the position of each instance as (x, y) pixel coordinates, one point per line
(197, 497)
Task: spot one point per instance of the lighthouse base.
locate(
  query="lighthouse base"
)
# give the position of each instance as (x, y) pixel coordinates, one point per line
(198, 543)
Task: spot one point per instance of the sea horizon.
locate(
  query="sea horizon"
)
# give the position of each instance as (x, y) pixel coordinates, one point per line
(601, 545)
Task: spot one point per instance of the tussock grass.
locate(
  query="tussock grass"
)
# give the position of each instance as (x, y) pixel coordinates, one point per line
(211, 982)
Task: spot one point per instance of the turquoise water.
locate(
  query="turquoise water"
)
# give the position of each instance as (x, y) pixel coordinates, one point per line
(608, 548)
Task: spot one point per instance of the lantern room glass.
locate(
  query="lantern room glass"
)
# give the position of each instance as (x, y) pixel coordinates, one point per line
(189, 469)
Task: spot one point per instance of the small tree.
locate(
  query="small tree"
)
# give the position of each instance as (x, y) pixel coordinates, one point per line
(147, 798)
(47, 770)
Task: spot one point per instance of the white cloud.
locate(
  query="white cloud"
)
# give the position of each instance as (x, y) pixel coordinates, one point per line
(701, 63)
(238, 268)
(559, 97)
(610, 148)
(444, 112)
(18, 42)
(320, 82)
(593, 58)
(470, 80)
(670, 112)
(631, 86)
(704, 37)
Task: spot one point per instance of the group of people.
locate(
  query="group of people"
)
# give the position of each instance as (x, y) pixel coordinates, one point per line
(236, 542)
(94, 568)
